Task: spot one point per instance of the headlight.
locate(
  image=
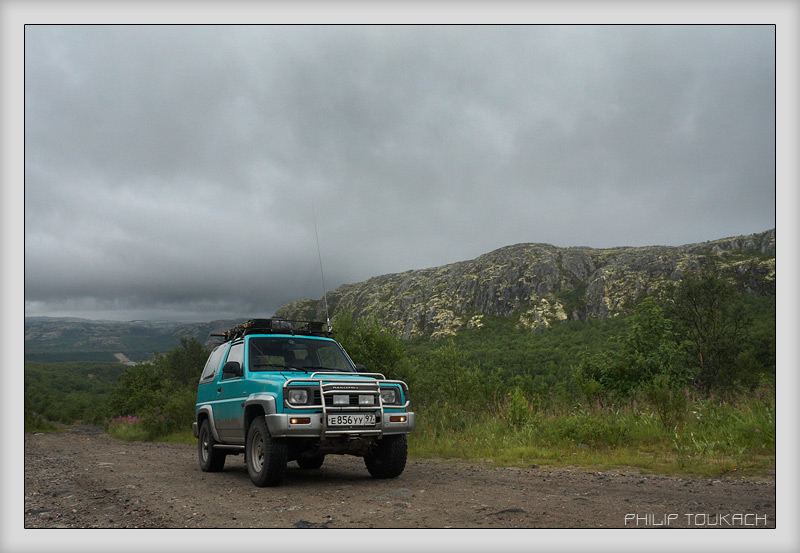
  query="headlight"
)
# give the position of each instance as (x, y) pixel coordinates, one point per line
(298, 396)
(388, 396)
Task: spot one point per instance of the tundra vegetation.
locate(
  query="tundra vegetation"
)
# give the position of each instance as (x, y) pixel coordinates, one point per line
(681, 382)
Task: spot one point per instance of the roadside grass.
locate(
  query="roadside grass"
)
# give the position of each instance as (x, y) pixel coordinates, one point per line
(37, 424)
(711, 438)
(136, 433)
(608, 459)
(179, 437)
(131, 428)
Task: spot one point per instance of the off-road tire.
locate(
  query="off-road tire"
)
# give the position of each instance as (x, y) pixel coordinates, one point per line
(211, 460)
(387, 459)
(310, 462)
(265, 456)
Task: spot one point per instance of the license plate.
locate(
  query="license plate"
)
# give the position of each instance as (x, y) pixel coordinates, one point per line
(349, 419)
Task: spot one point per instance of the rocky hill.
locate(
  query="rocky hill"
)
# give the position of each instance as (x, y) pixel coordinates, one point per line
(540, 284)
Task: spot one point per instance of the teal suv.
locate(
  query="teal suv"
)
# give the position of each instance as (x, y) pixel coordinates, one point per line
(281, 391)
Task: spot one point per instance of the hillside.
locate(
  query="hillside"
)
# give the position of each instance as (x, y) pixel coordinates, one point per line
(541, 284)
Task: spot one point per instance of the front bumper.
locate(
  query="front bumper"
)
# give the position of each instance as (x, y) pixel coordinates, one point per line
(280, 426)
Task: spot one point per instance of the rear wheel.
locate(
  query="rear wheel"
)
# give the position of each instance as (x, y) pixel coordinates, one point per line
(387, 459)
(211, 460)
(265, 456)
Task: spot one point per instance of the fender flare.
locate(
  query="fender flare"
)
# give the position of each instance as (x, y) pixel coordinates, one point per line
(265, 401)
(206, 411)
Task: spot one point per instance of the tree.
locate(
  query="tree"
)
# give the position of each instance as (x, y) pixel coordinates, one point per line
(370, 344)
(183, 365)
(449, 378)
(711, 326)
(646, 354)
(163, 392)
(648, 348)
(139, 389)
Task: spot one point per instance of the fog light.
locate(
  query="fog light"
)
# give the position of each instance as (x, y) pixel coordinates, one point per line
(300, 420)
(341, 400)
(397, 418)
(366, 400)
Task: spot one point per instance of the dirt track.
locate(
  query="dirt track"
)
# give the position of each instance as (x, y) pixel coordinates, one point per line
(86, 479)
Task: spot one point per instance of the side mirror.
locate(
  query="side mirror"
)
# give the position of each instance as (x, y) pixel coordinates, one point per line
(361, 368)
(232, 369)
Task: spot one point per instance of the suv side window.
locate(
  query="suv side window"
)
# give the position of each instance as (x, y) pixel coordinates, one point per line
(213, 363)
(236, 353)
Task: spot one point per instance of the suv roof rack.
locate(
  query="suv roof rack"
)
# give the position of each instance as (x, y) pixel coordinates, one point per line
(275, 326)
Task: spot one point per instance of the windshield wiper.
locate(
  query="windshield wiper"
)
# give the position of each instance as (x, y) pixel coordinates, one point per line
(258, 367)
(320, 368)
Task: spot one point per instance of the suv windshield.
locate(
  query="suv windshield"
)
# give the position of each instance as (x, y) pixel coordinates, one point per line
(274, 353)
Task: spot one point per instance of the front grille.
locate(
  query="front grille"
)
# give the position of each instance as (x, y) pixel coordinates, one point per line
(323, 390)
(353, 399)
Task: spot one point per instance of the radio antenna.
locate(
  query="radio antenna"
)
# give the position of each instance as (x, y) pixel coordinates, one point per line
(321, 274)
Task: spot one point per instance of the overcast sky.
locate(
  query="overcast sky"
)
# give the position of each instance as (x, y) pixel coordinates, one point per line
(172, 172)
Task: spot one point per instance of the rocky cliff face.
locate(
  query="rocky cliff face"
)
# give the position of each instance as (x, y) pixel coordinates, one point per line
(541, 284)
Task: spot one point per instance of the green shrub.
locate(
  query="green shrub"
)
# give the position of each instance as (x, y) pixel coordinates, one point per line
(36, 423)
(178, 410)
(161, 396)
(586, 428)
(668, 402)
(127, 428)
(516, 411)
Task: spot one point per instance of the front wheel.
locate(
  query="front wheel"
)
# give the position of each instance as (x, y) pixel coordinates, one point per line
(387, 459)
(265, 456)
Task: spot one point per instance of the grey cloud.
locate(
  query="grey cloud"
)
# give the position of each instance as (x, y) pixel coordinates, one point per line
(177, 166)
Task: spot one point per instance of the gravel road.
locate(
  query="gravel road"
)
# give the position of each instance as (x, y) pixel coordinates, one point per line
(86, 479)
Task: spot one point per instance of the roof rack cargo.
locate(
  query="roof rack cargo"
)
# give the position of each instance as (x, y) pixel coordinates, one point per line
(275, 326)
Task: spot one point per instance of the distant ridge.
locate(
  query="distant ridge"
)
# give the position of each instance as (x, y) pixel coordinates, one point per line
(51, 339)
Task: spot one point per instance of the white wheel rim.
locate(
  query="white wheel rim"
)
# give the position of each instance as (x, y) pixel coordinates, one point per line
(204, 448)
(257, 451)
